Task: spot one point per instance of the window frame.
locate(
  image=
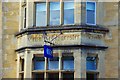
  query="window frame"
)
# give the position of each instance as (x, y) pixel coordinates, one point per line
(94, 10)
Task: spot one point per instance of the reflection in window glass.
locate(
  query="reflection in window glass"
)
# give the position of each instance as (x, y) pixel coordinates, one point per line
(68, 63)
(54, 13)
(39, 63)
(90, 13)
(91, 63)
(68, 12)
(53, 63)
(41, 14)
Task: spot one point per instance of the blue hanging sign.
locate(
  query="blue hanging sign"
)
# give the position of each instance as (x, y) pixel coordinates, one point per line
(48, 51)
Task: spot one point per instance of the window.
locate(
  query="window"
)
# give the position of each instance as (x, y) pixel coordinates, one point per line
(53, 63)
(54, 13)
(38, 76)
(21, 76)
(68, 63)
(53, 76)
(92, 76)
(39, 63)
(68, 76)
(68, 12)
(24, 18)
(91, 13)
(91, 63)
(22, 64)
(41, 14)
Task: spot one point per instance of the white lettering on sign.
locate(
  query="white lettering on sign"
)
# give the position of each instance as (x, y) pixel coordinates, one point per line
(49, 52)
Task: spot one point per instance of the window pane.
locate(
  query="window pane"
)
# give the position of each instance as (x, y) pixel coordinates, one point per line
(68, 76)
(53, 63)
(68, 12)
(41, 14)
(24, 18)
(53, 76)
(22, 64)
(38, 76)
(54, 13)
(92, 76)
(90, 13)
(68, 63)
(90, 6)
(39, 63)
(91, 63)
(90, 17)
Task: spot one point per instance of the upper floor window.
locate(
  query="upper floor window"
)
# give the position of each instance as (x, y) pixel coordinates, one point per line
(41, 14)
(24, 18)
(54, 13)
(91, 13)
(68, 12)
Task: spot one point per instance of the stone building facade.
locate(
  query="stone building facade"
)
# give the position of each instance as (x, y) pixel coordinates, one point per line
(80, 50)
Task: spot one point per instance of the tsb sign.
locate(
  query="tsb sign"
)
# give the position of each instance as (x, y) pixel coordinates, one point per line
(48, 51)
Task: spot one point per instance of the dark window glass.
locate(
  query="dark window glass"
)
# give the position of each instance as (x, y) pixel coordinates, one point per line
(68, 76)
(22, 64)
(53, 63)
(91, 63)
(24, 17)
(38, 76)
(53, 76)
(41, 14)
(68, 63)
(90, 13)
(22, 76)
(68, 12)
(91, 76)
(54, 13)
(39, 63)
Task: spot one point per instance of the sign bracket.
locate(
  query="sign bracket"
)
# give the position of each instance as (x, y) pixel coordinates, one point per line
(46, 38)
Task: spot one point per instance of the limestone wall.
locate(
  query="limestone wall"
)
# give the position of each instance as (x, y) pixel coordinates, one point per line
(0, 39)
(10, 27)
(111, 22)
